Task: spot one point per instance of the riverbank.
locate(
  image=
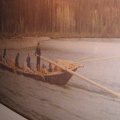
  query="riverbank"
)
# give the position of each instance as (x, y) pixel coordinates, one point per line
(21, 43)
(30, 42)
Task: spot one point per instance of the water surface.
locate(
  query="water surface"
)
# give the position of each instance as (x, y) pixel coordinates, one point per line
(78, 100)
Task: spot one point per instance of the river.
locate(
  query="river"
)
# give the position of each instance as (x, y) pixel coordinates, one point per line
(77, 100)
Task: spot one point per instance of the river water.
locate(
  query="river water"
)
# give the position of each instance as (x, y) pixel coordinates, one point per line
(78, 100)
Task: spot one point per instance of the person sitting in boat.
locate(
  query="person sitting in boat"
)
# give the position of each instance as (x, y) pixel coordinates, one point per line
(26, 68)
(56, 68)
(4, 56)
(50, 68)
(12, 63)
(43, 69)
(28, 61)
(1, 57)
(17, 61)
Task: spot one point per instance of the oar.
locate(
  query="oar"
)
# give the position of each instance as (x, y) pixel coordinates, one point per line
(82, 77)
(98, 59)
(84, 57)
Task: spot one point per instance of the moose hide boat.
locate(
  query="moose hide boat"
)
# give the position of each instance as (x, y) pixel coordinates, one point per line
(58, 78)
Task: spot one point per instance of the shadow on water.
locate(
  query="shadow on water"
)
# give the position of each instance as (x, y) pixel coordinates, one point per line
(82, 87)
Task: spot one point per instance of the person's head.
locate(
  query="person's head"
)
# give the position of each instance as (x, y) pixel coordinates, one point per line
(38, 44)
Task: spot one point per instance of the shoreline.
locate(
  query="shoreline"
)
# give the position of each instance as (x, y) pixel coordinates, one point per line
(21, 43)
(30, 42)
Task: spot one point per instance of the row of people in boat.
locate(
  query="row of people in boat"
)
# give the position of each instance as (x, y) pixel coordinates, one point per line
(2, 57)
(27, 64)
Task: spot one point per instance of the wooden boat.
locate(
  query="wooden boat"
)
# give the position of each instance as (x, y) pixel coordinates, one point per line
(58, 78)
(61, 78)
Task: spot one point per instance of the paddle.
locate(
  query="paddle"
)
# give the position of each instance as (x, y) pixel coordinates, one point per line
(84, 57)
(98, 59)
(82, 77)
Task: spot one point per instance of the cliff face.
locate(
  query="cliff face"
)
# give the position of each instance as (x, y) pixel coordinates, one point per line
(78, 18)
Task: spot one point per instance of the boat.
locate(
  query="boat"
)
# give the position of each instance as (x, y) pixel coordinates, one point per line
(63, 76)
(58, 78)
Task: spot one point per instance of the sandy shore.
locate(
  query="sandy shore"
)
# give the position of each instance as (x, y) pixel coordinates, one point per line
(21, 43)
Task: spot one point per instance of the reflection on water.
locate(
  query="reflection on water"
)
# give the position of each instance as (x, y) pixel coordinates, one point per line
(77, 100)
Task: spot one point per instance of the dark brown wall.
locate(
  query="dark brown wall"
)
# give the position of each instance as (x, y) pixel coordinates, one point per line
(93, 18)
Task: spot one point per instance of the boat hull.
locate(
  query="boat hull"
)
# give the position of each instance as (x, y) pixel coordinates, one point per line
(5, 67)
(58, 78)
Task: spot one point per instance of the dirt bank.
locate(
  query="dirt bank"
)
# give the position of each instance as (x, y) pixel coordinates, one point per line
(21, 43)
